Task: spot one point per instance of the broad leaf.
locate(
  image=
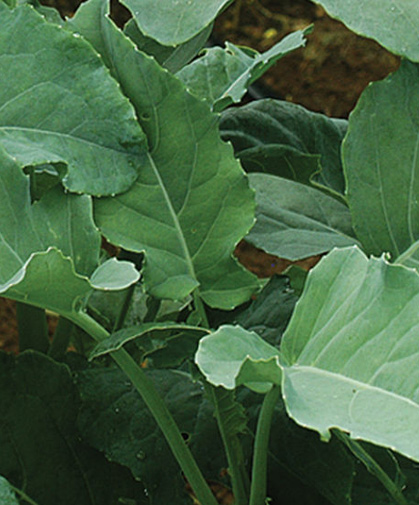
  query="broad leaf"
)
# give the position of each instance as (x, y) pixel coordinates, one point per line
(39, 438)
(351, 351)
(232, 356)
(288, 140)
(64, 107)
(50, 248)
(392, 23)
(221, 76)
(295, 221)
(191, 204)
(172, 58)
(172, 22)
(115, 420)
(381, 158)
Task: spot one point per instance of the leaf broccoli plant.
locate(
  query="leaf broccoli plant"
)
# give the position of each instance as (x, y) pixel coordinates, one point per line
(173, 373)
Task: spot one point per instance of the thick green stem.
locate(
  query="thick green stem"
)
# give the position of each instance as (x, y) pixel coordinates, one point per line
(119, 323)
(199, 307)
(61, 339)
(158, 409)
(33, 327)
(373, 467)
(232, 446)
(260, 454)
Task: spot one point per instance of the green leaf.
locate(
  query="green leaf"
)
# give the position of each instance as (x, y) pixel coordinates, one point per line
(221, 76)
(49, 262)
(392, 23)
(232, 356)
(7, 494)
(59, 104)
(350, 351)
(295, 221)
(115, 420)
(381, 158)
(122, 337)
(38, 436)
(188, 220)
(172, 58)
(288, 140)
(173, 22)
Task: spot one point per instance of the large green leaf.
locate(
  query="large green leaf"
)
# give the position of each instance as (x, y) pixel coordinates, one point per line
(172, 58)
(50, 248)
(295, 221)
(221, 76)
(381, 158)
(115, 420)
(351, 351)
(191, 204)
(172, 22)
(392, 23)
(288, 140)
(59, 104)
(41, 450)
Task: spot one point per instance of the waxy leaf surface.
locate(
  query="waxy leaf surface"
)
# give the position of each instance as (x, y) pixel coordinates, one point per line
(172, 22)
(295, 221)
(392, 23)
(191, 204)
(222, 76)
(58, 103)
(351, 351)
(288, 140)
(381, 159)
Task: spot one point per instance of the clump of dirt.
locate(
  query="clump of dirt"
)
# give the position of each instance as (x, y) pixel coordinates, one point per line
(329, 74)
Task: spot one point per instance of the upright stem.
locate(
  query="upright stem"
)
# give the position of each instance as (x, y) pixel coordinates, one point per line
(260, 454)
(119, 323)
(33, 327)
(157, 408)
(61, 338)
(373, 467)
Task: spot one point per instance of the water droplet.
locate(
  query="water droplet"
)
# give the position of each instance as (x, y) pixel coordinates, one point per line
(77, 35)
(140, 455)
(116, 410)
(393, 8)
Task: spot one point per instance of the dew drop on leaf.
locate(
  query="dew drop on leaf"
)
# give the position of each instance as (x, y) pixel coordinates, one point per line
(140, 455)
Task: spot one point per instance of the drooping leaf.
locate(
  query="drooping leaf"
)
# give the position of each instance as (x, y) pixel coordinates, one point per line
(59, 104)
(288, 140)
(114, 420)
(172, 58)
(295, 221)
(173, 22)
(350, 352)
(50, 248)
(392, 23)
(231, 356)
(191, 204)
(381, 162)
(221, 76)
(39, 438)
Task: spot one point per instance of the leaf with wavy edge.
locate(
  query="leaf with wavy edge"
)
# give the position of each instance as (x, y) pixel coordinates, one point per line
(392, 23)
(191, 204)
(221, 76)
(59, 104)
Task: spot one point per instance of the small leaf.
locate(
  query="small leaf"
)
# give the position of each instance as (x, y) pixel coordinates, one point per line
(232, 356)
(392, 23)
(381, 158)
(350, 352)
(295, 221)
(59, 104)
(222, 76)
(173, 22)
(114, 275)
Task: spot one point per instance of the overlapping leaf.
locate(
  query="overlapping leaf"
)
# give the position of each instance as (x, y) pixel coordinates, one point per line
(222, 76)
(59, 104)
(295, 221)
(381, 158)
(173, 22)
(49, 249)
(191, 204)
(288, 140)
(392, 23)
